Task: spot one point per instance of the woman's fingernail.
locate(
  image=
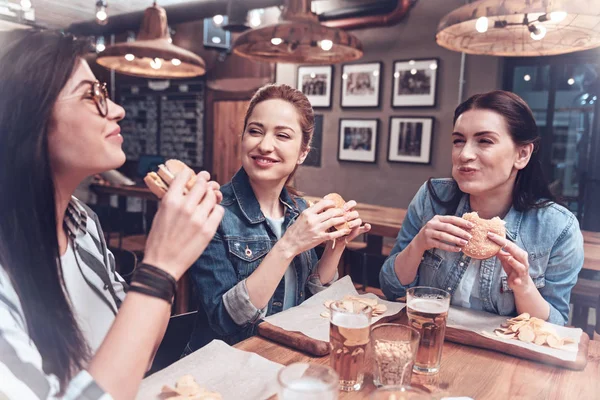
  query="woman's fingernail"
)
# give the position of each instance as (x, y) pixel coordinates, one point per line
(490, 234)
(470, 236)
(463, 242)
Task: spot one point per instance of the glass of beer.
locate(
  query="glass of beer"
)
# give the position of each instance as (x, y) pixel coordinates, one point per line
(394, 348)
(349, 335)
(303, 381)
(427, 310)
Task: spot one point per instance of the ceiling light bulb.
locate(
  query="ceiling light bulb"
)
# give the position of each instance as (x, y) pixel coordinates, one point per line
(326, 45)
(100, 47)
(276, 41)
(215, 39)
(25, 5)
(344, 76)
(571, 81)
(413, 71)
(313, 75)
(538, 32)
(218, 19)
(433, 66)
(156, 63)
(482, 24)
(375, 73)
(527, 78)
(558, 16)
(396, 75)
(129, 57)
(255, 19)
(176, 61)
(411, 62)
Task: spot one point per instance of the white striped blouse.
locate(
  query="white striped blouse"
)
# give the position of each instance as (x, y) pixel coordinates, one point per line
(21, 374)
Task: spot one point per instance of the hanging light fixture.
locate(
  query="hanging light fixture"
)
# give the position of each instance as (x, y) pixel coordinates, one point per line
(101, 14)
(298, 38)
(521, 28)
(152, 55)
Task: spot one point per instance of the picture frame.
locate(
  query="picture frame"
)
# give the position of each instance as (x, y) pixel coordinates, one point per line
(410, 140)
(313, 159)
(357, 140)
(316, 82)
(415, 82)
(361, 85)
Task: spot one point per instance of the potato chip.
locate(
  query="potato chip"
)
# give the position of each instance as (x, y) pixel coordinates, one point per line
(530, 329)
(186, 388)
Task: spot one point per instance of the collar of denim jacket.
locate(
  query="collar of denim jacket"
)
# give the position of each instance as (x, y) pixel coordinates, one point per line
(512, 220)
(247, 201)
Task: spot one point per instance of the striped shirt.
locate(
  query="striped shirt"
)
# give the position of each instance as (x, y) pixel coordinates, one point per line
(21, 373)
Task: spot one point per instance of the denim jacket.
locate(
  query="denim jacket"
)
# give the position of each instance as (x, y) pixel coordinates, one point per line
(550, 235)
(242, 241)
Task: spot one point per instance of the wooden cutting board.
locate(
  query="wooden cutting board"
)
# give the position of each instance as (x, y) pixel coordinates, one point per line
(473, 339)
(470, 338)
(300, 341)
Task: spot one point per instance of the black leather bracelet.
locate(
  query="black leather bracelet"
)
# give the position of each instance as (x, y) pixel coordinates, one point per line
(160, 272)
(152, 281)
(150, 292)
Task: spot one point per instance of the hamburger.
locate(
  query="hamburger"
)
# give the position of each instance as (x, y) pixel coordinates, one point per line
(339, 203)
(480, 246)
(158, 182)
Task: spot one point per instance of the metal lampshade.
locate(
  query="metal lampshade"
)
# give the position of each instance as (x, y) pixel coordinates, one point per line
(521, 28)
(151, 55)
(298, 38)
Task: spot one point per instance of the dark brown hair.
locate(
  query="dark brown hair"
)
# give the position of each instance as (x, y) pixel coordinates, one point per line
(305, 114)
(531, 186)
(34, 71)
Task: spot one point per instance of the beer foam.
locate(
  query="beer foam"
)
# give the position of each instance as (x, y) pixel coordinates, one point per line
(352, 321)
(430, 306)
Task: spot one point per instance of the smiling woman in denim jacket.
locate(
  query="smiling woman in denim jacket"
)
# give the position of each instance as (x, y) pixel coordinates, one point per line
(496, 171)
(262, 259)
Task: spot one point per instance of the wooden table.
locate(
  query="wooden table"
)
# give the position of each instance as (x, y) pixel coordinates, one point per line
(472, 372)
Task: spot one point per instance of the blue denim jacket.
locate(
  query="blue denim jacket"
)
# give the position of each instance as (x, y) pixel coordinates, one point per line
(550, 235)
(242, 241)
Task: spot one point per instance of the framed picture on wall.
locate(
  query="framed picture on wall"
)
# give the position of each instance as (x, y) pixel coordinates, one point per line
(314, 156)
(415, 83)
(361, 84)
(358, 140)
(410, 139)
(315, 82)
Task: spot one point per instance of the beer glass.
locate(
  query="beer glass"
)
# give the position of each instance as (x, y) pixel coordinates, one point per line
(427, 310)
(394, 348)
(302, 381)
(349, 333)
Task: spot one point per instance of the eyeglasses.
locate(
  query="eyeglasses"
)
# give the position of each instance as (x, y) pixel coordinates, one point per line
(98, 93)
(100, 96)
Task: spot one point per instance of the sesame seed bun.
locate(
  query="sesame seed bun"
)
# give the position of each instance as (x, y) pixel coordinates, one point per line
(480, 247)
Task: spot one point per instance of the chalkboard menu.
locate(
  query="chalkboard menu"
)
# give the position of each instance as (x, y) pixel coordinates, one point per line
(163, 118)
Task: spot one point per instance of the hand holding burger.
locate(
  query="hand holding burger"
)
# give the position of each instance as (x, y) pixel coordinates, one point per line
(353, 222)
(186, 220)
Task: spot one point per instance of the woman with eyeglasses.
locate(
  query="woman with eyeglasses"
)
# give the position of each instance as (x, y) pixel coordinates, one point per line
(67, 327)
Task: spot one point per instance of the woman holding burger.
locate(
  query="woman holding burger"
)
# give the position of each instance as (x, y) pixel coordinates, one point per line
(496, 171)
(262, 258)
(67, 327)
